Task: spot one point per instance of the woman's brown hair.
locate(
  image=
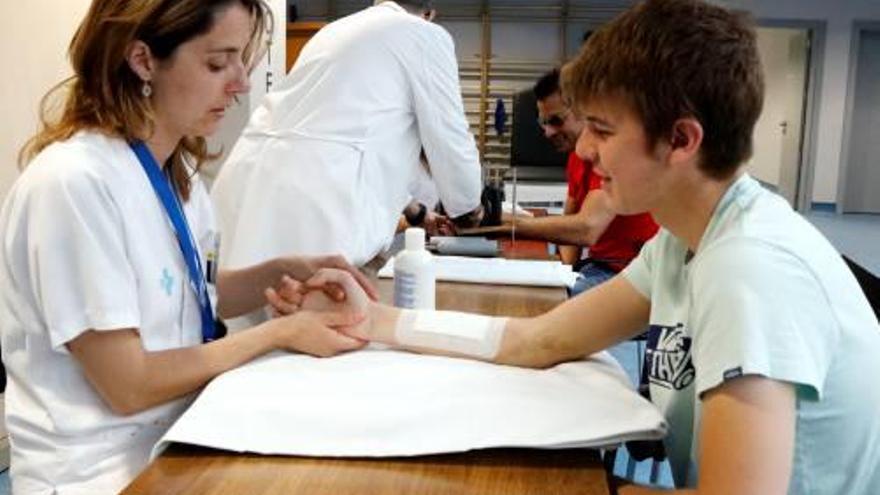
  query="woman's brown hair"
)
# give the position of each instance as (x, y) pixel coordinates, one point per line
(104, 94)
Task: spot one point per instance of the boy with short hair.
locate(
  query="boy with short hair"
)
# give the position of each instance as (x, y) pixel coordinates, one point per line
(761, 343)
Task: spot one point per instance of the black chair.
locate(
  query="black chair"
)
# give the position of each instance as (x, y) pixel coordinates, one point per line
(531, 153)
(870, 284)
(2, 377)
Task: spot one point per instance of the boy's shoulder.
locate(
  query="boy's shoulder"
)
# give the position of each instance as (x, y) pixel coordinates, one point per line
(754, 220)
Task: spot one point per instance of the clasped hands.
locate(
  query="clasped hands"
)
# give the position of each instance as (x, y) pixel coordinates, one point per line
(338, 303)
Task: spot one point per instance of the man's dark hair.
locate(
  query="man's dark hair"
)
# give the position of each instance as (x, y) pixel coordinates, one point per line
(547, 86)
(423, 5)
(673, 59)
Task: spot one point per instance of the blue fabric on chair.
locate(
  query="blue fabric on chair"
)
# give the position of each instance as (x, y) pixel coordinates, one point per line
(590, 275)
(500, 116)
(645, 465)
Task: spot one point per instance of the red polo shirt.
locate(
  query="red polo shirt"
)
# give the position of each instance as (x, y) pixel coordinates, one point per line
(625, 235)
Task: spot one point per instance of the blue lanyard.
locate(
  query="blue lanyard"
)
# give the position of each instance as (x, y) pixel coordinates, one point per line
(163, 188)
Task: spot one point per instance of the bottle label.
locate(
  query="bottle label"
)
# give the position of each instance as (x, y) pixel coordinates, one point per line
(405, 290)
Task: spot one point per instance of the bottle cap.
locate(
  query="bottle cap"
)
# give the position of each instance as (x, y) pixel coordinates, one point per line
(415, 239)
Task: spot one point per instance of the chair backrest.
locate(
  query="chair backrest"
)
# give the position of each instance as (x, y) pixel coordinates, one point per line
(870, 284)
(530, 152)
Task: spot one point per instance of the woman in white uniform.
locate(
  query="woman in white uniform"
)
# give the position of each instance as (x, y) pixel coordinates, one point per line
(107, 285)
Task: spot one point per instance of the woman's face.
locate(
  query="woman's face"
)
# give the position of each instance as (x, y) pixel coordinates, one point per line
(195, 85)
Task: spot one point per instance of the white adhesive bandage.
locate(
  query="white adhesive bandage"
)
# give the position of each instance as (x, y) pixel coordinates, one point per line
(473, 335)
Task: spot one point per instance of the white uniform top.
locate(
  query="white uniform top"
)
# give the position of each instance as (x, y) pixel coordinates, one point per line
(87, 245)
(325, 163)
(765, 294)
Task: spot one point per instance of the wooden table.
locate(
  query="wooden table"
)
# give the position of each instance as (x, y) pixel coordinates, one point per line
(192, 470)
(195, 470)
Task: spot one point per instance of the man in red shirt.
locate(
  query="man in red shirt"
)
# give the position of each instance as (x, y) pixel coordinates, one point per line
(588, 221)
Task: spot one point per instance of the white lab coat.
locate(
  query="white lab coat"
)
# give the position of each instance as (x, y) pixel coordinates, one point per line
(86, 245)
(325, 163)
(423, 189)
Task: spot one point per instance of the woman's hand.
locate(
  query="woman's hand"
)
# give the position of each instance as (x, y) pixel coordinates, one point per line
(315, 295)
(287, 297)
(329, 290)
(292, 296)
(355, 301)
(243, 290)
(303, 268)
(316, 332)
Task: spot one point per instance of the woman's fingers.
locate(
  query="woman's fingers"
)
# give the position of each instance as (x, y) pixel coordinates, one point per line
(340, 263)
(286, 298)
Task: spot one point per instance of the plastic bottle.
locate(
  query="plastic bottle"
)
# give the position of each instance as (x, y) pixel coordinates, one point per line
(414, 279)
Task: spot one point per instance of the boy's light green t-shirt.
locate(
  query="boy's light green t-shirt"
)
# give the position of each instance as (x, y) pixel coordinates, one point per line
(765, 294)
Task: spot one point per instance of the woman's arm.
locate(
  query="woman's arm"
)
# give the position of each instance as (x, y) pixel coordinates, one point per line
(243, 290)
(131, 379)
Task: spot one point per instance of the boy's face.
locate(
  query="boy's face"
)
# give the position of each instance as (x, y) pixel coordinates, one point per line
(614, 140)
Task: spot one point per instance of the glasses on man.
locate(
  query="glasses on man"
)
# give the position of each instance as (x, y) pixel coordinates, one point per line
(556, 120)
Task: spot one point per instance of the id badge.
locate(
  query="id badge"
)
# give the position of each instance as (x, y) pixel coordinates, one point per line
(212, 257)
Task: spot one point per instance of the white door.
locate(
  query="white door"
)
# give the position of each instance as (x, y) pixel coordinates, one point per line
(778, 134)
(862, 188)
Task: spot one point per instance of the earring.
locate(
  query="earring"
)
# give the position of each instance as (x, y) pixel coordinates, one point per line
(147, 89)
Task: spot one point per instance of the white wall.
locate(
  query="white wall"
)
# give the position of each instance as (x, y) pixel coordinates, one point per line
(34, 36)
(839, 17)
(33, 53)
(237, 116)
(33, 39)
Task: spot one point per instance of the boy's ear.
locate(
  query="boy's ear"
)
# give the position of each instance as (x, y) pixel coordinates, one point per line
(687, 139)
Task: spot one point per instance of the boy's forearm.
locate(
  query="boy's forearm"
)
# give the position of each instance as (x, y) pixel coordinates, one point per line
(514, 349)
(382, 322)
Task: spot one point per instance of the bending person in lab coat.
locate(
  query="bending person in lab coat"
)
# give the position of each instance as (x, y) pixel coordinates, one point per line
(325, 164)
(107, 287)
(421, 211)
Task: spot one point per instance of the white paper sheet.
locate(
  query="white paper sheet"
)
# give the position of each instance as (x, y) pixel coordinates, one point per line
(497, 271)
(375, 403)
(507, 207)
